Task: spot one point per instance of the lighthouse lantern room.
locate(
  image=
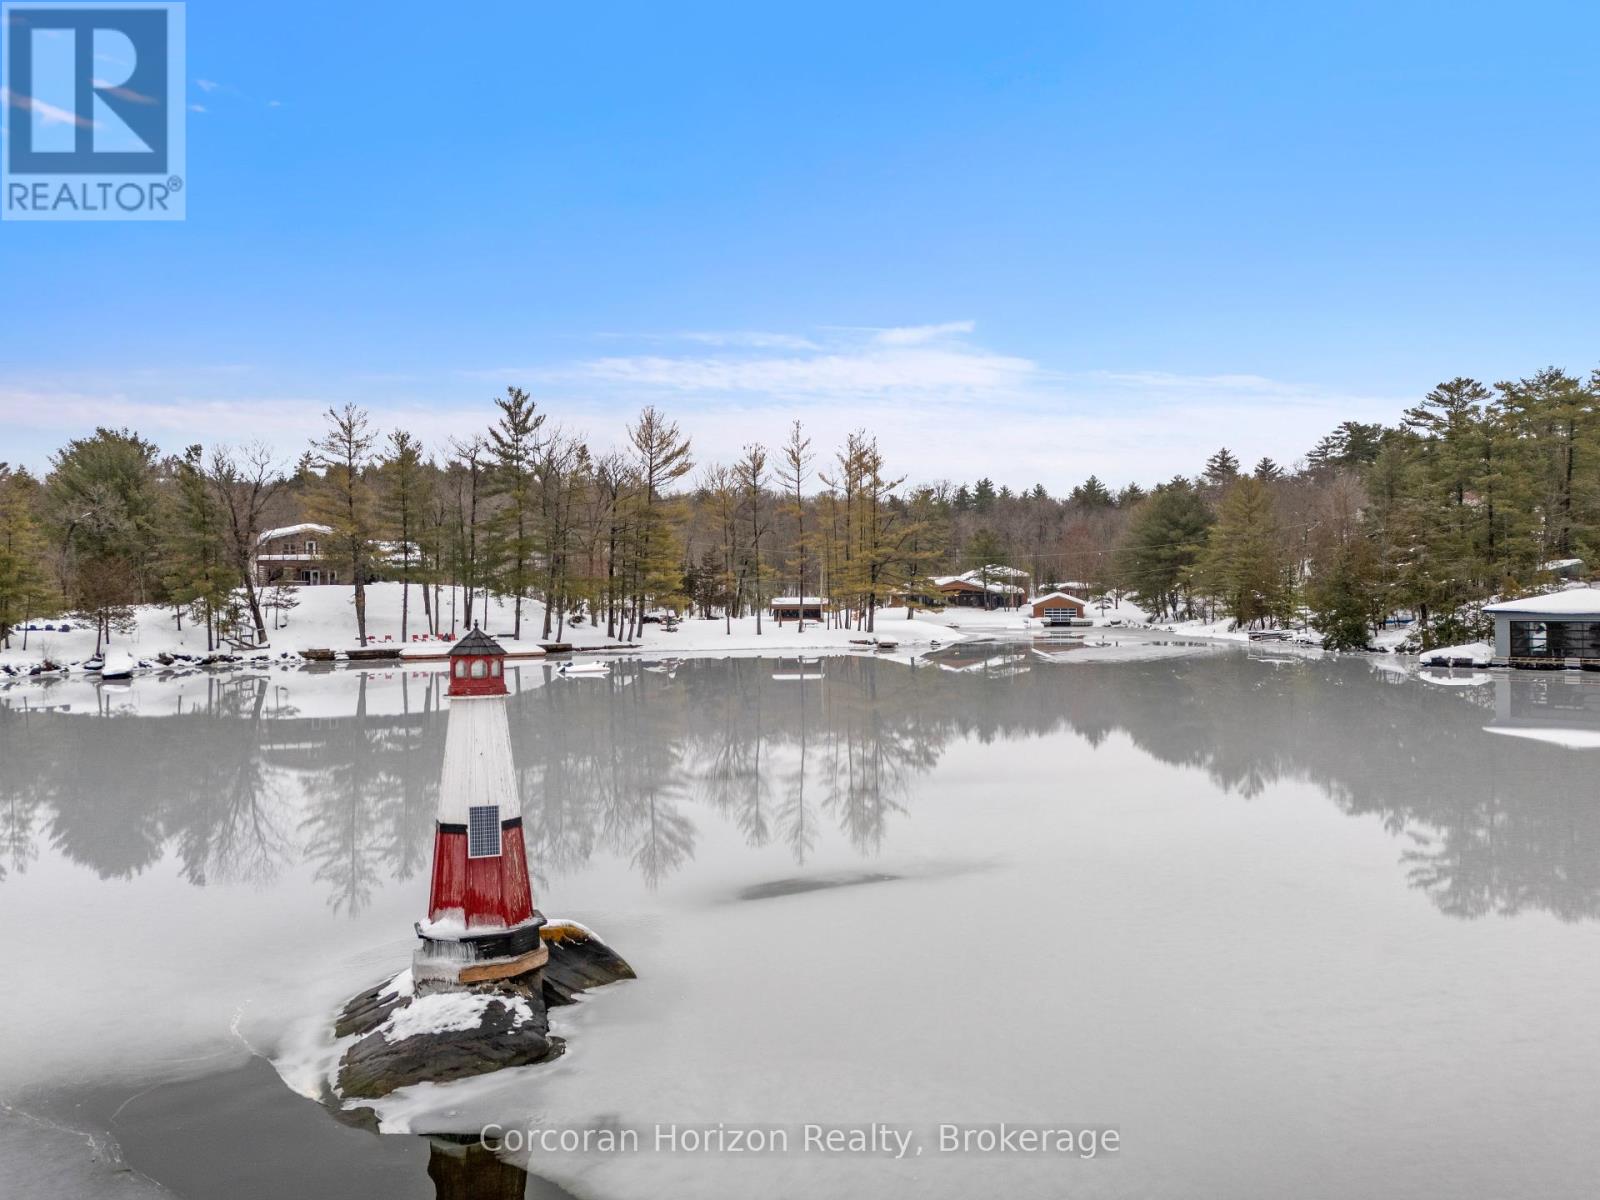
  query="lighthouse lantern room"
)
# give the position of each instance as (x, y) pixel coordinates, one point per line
(482, 925)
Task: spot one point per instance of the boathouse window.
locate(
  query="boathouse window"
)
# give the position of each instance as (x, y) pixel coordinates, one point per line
(461, 668)
(1580, 639)
(479, 668)
(1555, 639)
(1530, 639)
(494, 668)
(483, 831)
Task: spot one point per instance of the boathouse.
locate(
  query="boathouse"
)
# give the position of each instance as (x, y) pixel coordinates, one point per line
(1059, 608)
(1553, 630)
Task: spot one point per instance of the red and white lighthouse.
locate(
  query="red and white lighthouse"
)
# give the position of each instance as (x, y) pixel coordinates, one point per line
(482, 924)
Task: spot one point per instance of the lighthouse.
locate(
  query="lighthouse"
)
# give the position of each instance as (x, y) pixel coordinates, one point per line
(481, 925)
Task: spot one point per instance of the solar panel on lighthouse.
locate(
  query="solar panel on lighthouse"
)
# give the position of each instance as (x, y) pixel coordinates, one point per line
(483, 831)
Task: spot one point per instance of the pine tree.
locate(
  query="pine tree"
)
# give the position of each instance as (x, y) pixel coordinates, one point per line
(1557, 421)
(1459, 489)
(403, 474)
(1164, 540)
(720, 491)
(198, 574)
(1244, 564)
(751, 473)
(885, 528)
(986, 549)
(105, 507)
(1091, 493)
(514, 442)
(1268, 471)
(792, 474)
(562, 472)
(25, 586)
(1222, 468)
(1344, 589)
(342, 498)
(471, 545)
(661, 458)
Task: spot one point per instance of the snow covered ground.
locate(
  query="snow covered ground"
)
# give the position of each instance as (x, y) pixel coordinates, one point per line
(325, 619)
(1125, 614)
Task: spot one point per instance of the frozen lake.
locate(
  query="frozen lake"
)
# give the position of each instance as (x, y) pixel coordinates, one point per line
(1290, 925)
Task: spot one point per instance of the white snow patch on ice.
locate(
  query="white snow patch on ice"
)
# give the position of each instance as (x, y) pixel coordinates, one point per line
(1567, 739)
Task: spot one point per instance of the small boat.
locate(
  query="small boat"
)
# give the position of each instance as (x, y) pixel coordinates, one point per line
(887, 645)
(93, 663)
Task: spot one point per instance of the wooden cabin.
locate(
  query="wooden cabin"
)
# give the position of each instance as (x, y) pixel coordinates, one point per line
(1059, 608)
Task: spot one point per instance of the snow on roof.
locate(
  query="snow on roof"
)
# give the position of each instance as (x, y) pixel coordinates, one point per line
(1573, 601)
(792, 600)
(1061, 596)
(1561, 564)
(291, 530)
(975, 579)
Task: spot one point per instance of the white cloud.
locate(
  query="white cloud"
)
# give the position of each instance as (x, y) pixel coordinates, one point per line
(916, 335)
(860, 374)
(207, 85)
(945, 407)
(941, 406)
(754, 339)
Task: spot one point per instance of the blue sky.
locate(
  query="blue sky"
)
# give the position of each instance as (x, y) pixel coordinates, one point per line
(1026, 241)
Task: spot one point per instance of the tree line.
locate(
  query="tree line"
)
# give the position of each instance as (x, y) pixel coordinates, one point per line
(1477, 491)
(521, 511)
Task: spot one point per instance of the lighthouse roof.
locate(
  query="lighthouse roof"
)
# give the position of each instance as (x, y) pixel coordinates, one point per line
(476, 642)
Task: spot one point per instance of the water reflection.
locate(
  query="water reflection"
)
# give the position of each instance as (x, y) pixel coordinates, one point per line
(252, 773)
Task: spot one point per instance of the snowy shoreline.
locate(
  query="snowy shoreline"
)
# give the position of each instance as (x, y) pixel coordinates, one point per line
(325, 621)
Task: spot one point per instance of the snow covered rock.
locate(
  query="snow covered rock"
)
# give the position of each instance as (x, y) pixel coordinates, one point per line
(405, 1037)
(449, 1035)
(1473, 654)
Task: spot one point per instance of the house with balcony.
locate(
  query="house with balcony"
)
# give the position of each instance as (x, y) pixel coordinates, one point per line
(294, 555)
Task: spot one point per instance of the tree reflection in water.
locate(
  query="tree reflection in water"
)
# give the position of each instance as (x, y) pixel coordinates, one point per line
(240, 783)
